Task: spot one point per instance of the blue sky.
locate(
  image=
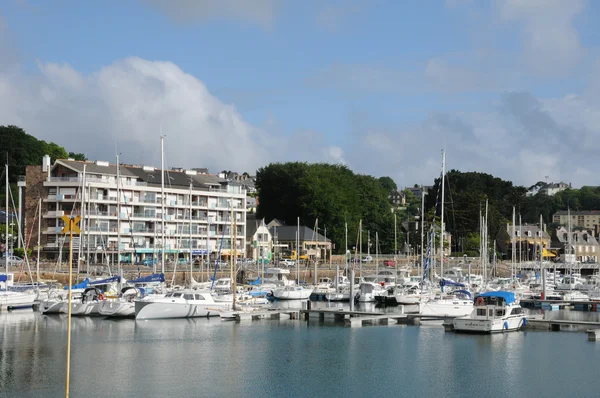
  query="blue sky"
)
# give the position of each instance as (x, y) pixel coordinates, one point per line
(508, 86)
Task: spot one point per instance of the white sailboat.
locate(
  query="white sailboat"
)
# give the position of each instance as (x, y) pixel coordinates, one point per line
(123, 306)
(186, 303)
(447, 307)
(294, 292)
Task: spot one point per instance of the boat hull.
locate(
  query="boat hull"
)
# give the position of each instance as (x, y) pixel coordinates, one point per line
(447, 310)
(16, 299)
(82, 309)
(117, 309)
(303, 294)
(50, 306)
(470, 325)
(157, 310)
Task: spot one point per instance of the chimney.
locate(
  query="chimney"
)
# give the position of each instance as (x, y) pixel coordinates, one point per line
(46, 164)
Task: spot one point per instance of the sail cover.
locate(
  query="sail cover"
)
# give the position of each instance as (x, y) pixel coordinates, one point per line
(149, 278)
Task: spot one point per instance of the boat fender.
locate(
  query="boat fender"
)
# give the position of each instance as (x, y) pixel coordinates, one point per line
(100, 297)
(505, 326)
(479, 302)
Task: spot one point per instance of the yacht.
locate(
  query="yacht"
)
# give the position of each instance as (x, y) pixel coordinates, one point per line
(292, 292)
(368, 291)
(123, 306)
(494, 312)
(185, 303)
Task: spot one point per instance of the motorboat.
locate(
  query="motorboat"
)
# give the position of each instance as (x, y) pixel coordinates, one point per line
(493, 312)
(123, 306)
(292, 292)
(591, 282)
(367, 292)
(185, 303)
(570, 282)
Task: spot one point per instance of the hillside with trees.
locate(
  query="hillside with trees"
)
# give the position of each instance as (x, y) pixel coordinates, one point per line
(333, 194)
(20, 150)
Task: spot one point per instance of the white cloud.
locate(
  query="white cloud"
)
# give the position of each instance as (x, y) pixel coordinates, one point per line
(522, 139)
(260, 12)
(551, 42)
(125, 106)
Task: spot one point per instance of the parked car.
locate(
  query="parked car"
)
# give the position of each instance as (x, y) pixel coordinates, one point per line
(182, 261)
(149, 262)
(367, 259)
(389, 263)
(14, 260)
(287, 263)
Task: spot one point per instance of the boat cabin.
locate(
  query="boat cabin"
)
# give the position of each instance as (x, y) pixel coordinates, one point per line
(185, 296)
(492, 305)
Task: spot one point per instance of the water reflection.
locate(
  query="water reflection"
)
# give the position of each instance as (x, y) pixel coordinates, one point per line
(207, 357)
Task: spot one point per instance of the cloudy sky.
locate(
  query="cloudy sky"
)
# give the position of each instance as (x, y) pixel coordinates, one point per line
(508, 87)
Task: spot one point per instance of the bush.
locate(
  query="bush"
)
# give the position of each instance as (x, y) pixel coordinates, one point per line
(21, 252)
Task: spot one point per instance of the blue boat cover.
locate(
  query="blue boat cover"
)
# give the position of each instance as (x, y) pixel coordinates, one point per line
(106, 281)
(509, 297)
(81, 285)
(3, 278)
(149, 278)
(256, 282)
(448, 282)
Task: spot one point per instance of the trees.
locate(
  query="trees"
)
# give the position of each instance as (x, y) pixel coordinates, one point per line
(331, 193)
(24, 150)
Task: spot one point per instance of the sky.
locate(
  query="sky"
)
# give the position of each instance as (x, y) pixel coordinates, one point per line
(506, 87)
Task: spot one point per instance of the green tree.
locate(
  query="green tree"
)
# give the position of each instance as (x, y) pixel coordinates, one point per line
(331, 193)
(77, 156)
(388, 184)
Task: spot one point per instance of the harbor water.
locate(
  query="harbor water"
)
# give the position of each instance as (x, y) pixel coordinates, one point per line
(211, 358)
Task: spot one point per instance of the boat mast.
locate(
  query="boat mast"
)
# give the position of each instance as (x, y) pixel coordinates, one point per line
(442, 218)
(162, 202)
(298, 253)
(514, 244)
(233, 265)
(395, 245)
(37, 265)
(421, 269)
(486, 244)
(190, 240)
(231, 242)
(119, 218)
(377, 253)
(360, 249)
(6, 246)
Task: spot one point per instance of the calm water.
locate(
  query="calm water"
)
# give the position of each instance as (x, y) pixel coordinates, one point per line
(210, 358)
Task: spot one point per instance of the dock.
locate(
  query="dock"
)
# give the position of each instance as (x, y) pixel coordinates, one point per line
(362, 318)
(256, 315)
(558, 325)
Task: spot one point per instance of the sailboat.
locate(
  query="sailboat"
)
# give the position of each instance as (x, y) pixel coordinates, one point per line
(294, 292)
(452, 306)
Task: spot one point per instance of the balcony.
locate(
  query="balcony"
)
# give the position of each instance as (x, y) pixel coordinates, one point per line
(54, 214)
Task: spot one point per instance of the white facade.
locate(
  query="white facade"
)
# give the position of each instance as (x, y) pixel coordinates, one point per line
(129, 220)
(261, 242)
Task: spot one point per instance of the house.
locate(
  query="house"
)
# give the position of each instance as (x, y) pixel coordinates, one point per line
(397, 199)
(312, 244)
(259, 239)
(275, 223)
(586, 219)
(554, 188)
(417, 190)
(527, 240)
(582, 244)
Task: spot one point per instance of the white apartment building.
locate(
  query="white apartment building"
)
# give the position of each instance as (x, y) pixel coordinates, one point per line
(123, 212)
